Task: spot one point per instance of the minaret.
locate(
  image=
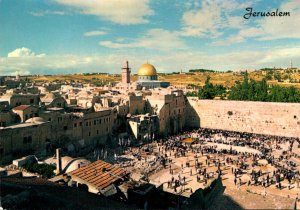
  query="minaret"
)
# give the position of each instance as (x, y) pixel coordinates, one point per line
(291, 64)
(125, 72)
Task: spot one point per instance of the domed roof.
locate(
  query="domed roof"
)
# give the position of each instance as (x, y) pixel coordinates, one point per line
(69, 164)
(147, 70)
(35, 120)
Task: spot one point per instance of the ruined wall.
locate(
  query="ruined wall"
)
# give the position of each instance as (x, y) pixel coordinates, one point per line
(282, 119)
(136, 105)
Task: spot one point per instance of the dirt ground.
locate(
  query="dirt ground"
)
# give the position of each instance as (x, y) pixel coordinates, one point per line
(239, 199)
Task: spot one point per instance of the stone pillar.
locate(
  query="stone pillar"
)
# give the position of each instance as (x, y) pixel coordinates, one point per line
(58, 162)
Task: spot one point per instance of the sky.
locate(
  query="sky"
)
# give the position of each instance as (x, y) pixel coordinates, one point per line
(79, 36)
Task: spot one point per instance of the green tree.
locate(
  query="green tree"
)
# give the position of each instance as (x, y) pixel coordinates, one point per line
(269, 75)
(210, 91)
(277, 77)
(259, 91)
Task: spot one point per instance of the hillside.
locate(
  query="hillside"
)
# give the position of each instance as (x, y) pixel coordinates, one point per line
(227, 79)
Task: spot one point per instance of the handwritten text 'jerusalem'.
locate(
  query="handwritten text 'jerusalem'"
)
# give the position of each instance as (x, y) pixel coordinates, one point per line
(250, 13)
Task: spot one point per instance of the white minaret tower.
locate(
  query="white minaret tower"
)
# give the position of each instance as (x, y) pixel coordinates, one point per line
(291, 64)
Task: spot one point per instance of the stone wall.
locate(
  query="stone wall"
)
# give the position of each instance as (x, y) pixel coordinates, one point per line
(22, 137)
(136, 105)
(281, 119)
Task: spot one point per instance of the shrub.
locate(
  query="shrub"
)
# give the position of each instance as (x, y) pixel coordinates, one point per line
(43, 169)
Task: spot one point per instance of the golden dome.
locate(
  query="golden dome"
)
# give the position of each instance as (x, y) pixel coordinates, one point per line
(147, 70)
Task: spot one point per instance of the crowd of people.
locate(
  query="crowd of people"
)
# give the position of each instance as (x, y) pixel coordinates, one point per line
(273, 150)
(252, 159)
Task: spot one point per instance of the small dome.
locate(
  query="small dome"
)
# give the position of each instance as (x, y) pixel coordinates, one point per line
(147, 70)
(35, 120)
(70, 164)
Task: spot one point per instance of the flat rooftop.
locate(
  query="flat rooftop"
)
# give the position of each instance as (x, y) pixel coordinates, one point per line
(23, 125)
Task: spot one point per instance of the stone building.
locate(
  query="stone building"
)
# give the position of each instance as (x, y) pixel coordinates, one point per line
(24, 137)
(61, 124)
(87, 128)
(11, 83)
(24, 90)
(50, 100)
(94, 128)
(169, 106)
(26, 111)
(21, 99)
(136, 105)
(144, 127)
(7, 117)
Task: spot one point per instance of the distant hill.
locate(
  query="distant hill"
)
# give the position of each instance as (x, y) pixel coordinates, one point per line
(201, 70)
(194, 77)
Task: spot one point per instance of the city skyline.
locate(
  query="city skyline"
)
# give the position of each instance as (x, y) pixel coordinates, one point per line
(76, 36)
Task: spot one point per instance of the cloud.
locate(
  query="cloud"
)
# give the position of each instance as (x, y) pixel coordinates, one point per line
(269, 28)
(54, 64)
(158, 39)
(123, 12)
(95, 33)
(20, 73)
(283, 55)
(47, 12)
(23, 61)
(23, 52)
(283, 27)
(116, 45)
(164, 61)
(240, 37)
(229, 41)
(203, 21)
(211, 18)
(236, 60)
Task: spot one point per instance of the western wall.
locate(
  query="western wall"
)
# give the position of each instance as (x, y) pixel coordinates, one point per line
(280, 119)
